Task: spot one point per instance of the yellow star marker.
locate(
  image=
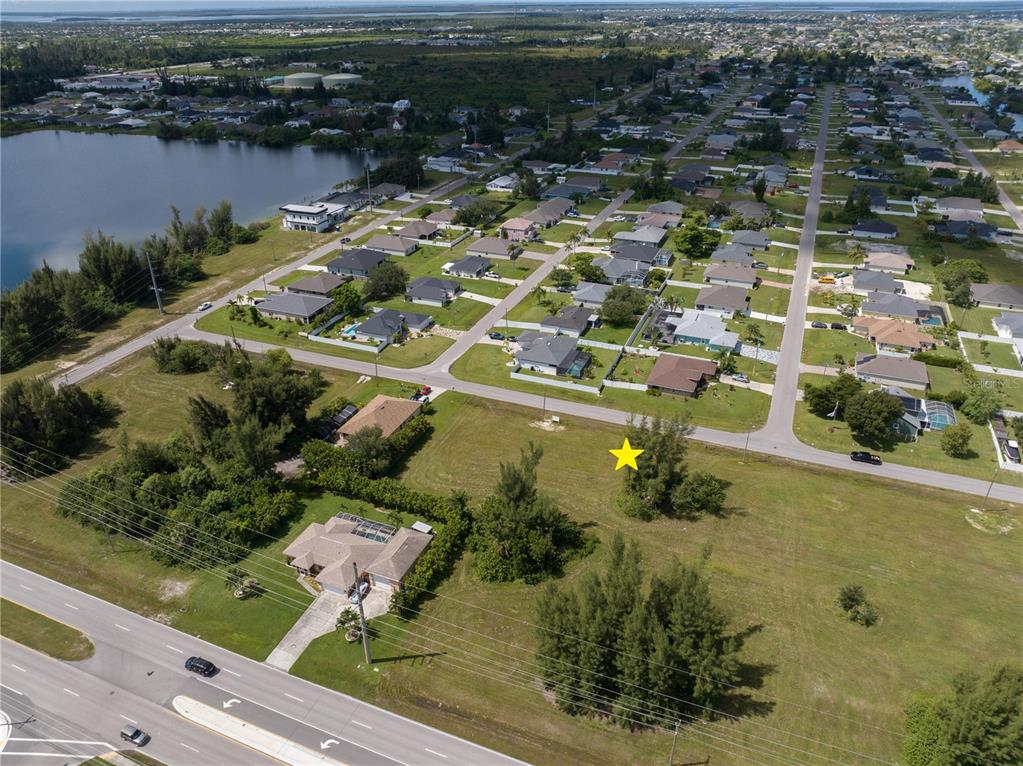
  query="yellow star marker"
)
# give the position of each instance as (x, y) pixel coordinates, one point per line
(626, 456)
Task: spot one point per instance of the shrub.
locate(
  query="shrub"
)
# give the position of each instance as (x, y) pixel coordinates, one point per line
(851, 596)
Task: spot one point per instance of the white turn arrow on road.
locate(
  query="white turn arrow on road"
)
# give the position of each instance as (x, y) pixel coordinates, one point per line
(231, 702)
(327, 743)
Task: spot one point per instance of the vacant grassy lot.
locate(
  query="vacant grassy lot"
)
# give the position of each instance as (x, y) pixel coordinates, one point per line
(821, 346)
(39, 632)
(792, 538)
(999, 355)
(770, 300)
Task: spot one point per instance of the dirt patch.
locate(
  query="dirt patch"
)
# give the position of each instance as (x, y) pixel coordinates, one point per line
(171, 590)
(547, 425)
(991, 522)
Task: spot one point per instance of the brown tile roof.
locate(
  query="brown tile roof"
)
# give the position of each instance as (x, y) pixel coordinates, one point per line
(680, 373)
(893, 332)
(387, 412)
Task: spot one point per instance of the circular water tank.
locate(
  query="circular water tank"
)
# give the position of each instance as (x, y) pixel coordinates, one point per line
(340, 80)
(302, 80)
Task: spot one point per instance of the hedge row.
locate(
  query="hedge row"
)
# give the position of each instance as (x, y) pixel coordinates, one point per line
(435, 564)
(938, 360)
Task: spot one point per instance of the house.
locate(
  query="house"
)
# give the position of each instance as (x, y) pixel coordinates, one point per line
(874, 228)
(643, 235)
(322, 283)
(570, 320)
(469, 267)
(963, 230)
(518, 229)
(621, 271)
(551, 354)
(876, 197)
(866, 281)
(1012, 146)
(731, 274)
(892, 370)
(386, 243)
(1006, 324)
(919, 414)
(681, 375)
(550, 211)
(959, 208)
(890, 261)
(326, 552)
(418, 230)
(463, 200)
(756, 211)
(737, 254)
(659, 220)
(495, 247)
(754, 240)
(701, 328)
(503, 184)
(432, 291)
(651, 254)
(590, 294)
(668, 208)
(893, 335)
(443, 218)
(294, 307)
(724, 300)
(566, 191)
(775, 176)
(996, 296)
(386, 190)
(897, 306)
(390, 326)
(317, 217)
(356, 263)
(388, 413)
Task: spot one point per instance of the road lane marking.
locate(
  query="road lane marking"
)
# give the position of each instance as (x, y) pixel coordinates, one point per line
(59, 741)
(434, 752)
(18, 667)
(189, 747)
(65, 756)
(26, 587)
(12, 689)
(174, 649)
(71, 606)
(363, 725)
(292, 696)
(126, 718)
(238, 675)
(121, 627)
(70, 692)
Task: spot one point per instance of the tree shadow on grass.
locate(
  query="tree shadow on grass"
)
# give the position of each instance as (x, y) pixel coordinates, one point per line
(735, 701)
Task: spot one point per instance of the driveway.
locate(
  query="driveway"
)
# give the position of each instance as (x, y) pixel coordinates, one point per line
(319, 619)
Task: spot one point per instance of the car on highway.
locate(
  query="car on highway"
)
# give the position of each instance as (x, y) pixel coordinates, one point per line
(859, 456)
(135, 735)
(819, 325)
(358, 595)
(740, 377)
(838, 326)
(200, 666)
(496, 336)
(205, 305)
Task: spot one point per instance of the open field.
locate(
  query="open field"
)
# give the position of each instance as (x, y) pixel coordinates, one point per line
(43, 634)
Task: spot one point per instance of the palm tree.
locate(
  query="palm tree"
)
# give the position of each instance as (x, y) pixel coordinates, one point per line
(753, 335)
(857, 253)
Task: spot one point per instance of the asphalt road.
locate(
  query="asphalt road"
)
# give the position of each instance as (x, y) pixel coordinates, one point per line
(976, 164)
(138, 669)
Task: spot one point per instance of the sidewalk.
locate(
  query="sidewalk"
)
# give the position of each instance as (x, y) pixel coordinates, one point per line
(319, 619)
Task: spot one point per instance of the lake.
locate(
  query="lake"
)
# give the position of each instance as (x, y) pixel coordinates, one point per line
(54, 185)
(966, 81)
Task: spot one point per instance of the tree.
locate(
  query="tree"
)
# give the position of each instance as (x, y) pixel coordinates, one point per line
(753, 335)
(981, 404)
(622, 304)
(647, 492)
(370, 449)
(760, 188)
(274, 391)
(562, 278)
(693, 241)
(851, 596)
(347, 300)
(404, 169)
(221, 222)
(725, 360)
(477, 213)
(831, 397)
(870, 414)
(385, 281)
(528, 185)
(955, 440)
(698, 494)
(978, 723)
(347, 619)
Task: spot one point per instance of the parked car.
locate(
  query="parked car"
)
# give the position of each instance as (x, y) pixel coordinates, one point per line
(841, 274)
(827, 279)
(358, 594)
(572, 213)
(512, 338)
(740, 377)
(838, 326)
(205, 305)
(564, 289)
(496, 336)
(200, 666)
(759, 265)
(425, 390)
(492, 275)
(135, 735)
(344, 240)
(819, 325)
(1011, 449)
(864, 457)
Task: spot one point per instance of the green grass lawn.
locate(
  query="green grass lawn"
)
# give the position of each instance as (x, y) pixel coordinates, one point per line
(560, 233)
(771, 331)
(685, 296)
(976, 320)
(460, 314)
(528, 310)
(39, 632)
(820, 346)
(770, 300)
(998, 355)
(415, 353)
(520, 268)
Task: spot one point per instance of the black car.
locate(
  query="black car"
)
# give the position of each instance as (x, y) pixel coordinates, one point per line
(838, 326)
(819, 325)
(865, 457)
(200, 666)
(496, 336)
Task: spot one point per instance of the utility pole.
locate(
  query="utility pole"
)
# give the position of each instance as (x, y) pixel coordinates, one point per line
(674, 738)
(156, 290)
(362, 617)
(745, 448)
(367, 189)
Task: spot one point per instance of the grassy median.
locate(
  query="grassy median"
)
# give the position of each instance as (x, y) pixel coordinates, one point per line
(39, 632)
